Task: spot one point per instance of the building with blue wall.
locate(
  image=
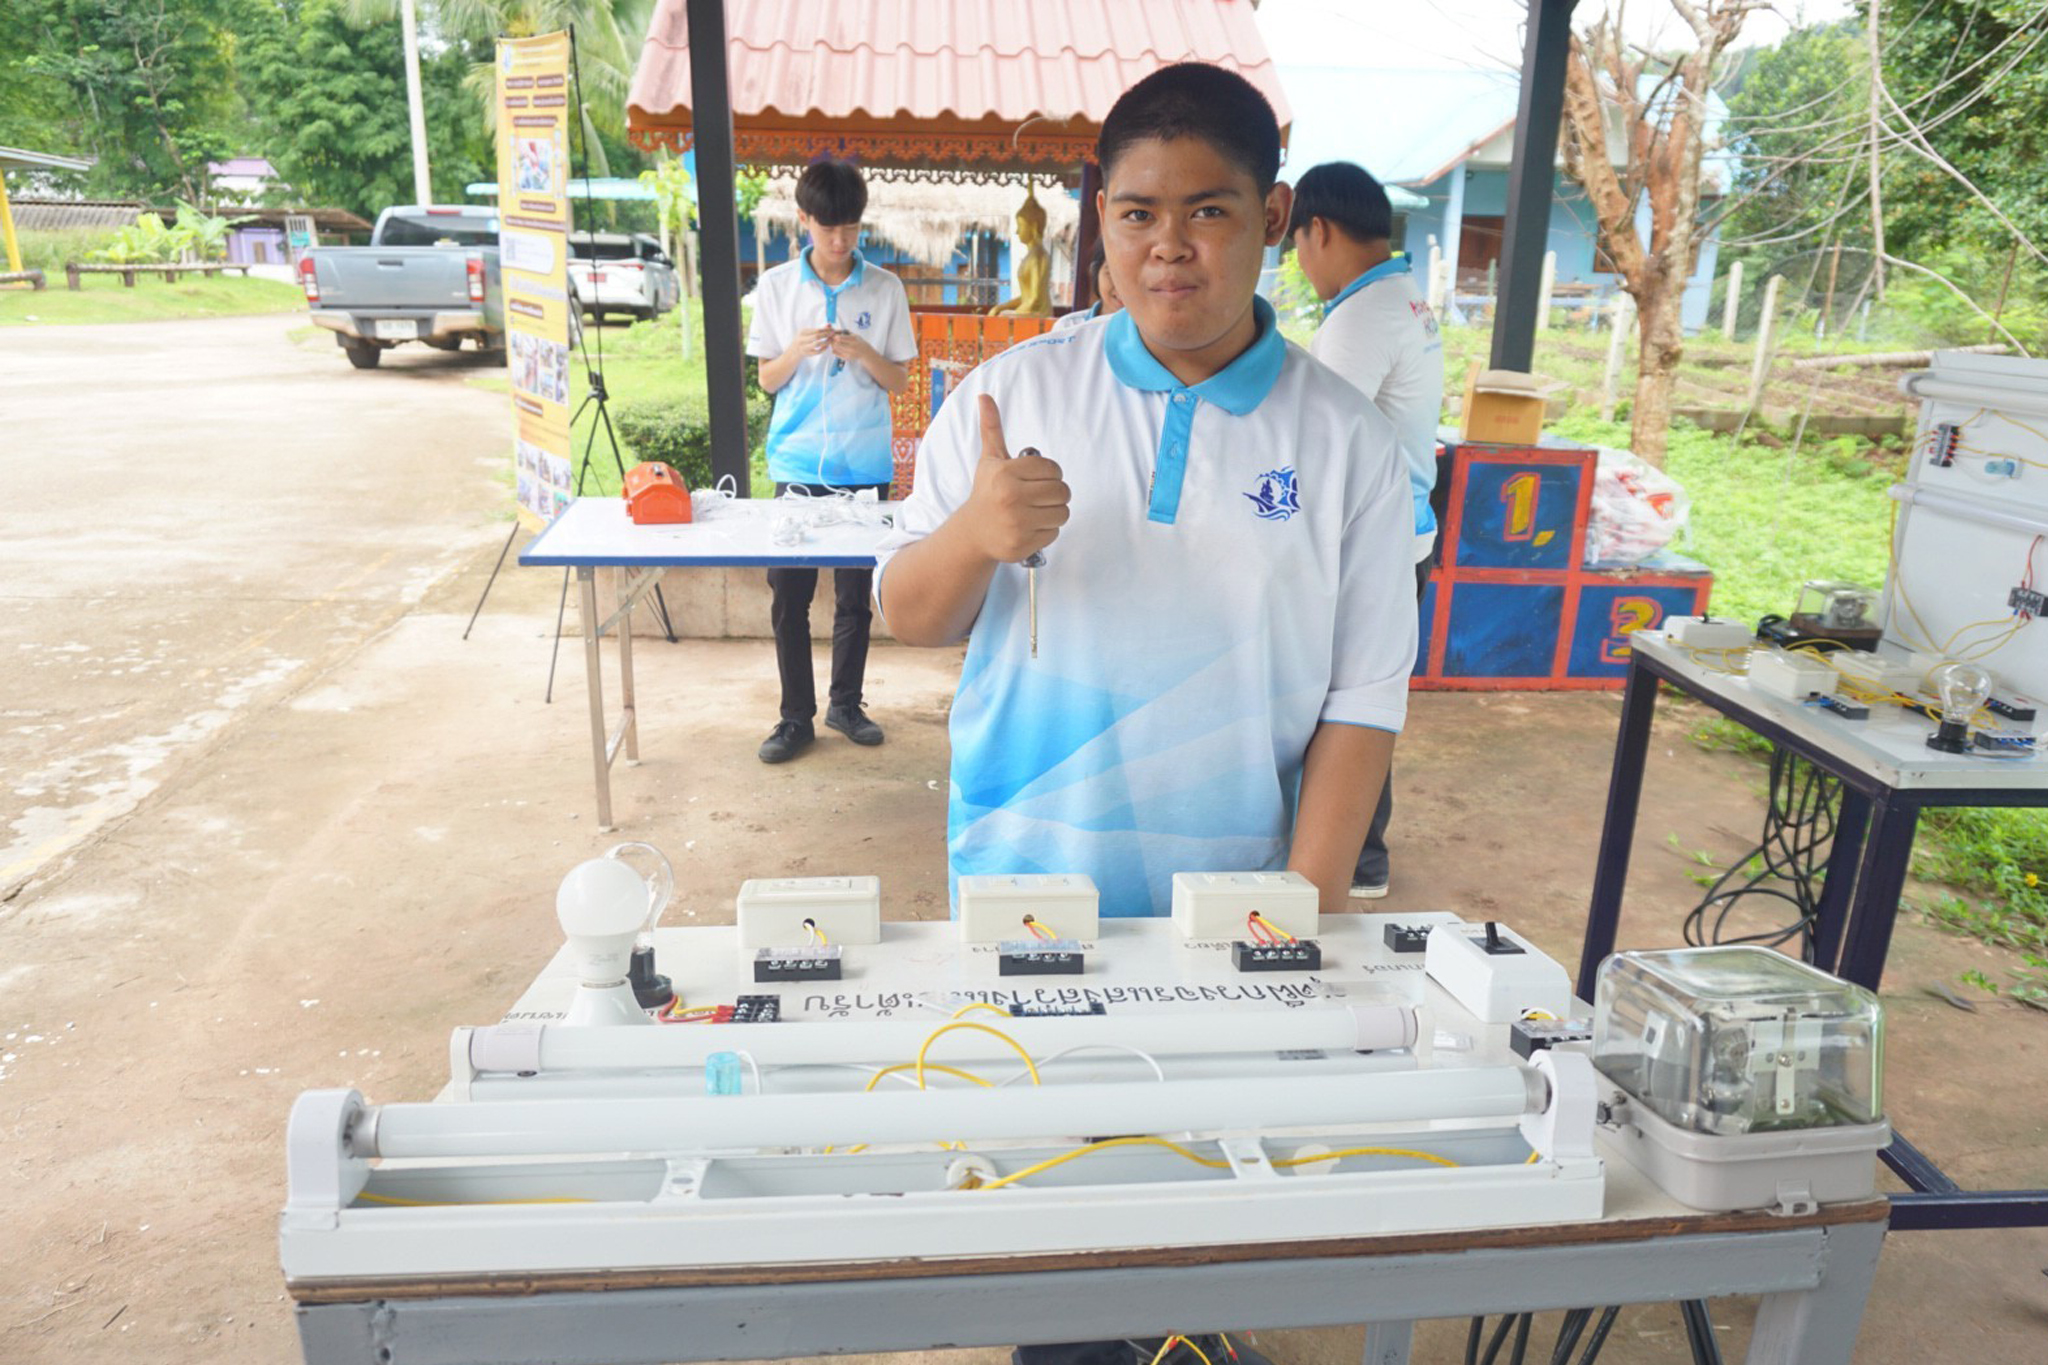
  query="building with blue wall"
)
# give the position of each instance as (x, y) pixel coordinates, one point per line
(1448, 137)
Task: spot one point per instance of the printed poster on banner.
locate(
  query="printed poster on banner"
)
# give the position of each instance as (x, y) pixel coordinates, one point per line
(533, 246)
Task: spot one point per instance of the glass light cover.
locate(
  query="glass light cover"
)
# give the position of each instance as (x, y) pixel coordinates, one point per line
(1739, 1039)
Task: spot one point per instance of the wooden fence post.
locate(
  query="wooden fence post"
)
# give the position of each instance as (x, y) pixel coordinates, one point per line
(1760, 364)
(1622, 310)
(1732, 303)
(72, 278)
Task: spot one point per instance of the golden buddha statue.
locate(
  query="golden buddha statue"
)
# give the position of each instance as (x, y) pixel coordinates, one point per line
(1034, 292)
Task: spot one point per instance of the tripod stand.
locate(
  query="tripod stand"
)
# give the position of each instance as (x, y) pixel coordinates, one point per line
(594, 392)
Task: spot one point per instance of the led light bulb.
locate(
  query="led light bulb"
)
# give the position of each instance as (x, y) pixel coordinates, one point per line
(602, 906)
(1964, 689)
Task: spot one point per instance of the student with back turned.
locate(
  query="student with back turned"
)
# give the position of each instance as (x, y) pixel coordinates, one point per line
(1225, 623)
(1379, 334)
(833, 337)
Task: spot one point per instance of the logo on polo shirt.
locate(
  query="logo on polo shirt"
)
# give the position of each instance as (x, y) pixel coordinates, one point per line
(1277, 497)
(863, 320)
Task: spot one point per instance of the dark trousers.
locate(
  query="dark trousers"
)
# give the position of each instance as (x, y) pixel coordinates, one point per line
(790, 615)
(1372, 859)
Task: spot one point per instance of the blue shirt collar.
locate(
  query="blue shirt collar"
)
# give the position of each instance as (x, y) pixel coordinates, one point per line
(1393, 265)
(860, 267)
(1237, 388)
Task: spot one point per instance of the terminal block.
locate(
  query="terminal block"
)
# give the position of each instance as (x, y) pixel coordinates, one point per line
(1407, 938)
(1035, 1009)
(797, 964)
(1948, 438)
(1530, 1036)
(1040, 959)
(1302, 955)
(757, 1009)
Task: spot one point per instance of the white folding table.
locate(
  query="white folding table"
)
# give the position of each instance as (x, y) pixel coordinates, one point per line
(596, 533)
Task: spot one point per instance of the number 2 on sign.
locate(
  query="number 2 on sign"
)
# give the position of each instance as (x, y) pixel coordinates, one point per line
(1627, 616)
(1519, 493)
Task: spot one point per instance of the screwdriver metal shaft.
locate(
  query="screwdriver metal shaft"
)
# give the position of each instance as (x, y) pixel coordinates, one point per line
(1033, 562)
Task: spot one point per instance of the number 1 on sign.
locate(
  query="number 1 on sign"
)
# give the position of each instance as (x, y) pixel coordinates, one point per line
(1520, 493)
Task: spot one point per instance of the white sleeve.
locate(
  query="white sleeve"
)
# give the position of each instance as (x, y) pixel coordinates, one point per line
(899, 343)
(1361, 351)
(766, 337)
(943, 475)
(1376, 623)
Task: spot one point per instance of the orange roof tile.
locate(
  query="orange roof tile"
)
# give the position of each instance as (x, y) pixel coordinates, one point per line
(911, 82)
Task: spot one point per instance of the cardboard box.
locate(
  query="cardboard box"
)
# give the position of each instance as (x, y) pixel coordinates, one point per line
(1502, 407)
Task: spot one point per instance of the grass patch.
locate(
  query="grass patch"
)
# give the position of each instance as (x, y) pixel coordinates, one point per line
(105, 299)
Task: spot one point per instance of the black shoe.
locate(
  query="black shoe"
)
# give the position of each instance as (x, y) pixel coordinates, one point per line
(788, 739)
(853, 722)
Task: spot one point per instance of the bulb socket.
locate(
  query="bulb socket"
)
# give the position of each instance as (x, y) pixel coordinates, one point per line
(650, 988)
(1951, 737)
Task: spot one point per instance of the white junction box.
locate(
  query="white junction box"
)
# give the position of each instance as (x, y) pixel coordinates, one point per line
(992, 909)
(1216, 905)
(845, 910)
(1709, 632)
(1778, 674)
(1495, 973)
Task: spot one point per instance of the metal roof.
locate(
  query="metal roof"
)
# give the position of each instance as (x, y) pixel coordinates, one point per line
(997, 83)
(15, 159)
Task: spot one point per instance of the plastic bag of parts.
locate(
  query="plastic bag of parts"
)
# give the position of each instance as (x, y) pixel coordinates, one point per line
(1637, 510)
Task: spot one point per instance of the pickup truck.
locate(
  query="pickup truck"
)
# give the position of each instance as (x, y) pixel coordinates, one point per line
(429, 274)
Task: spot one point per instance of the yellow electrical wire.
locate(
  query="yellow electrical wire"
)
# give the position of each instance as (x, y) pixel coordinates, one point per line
(1169, 1343)
(876, 1079)
(811, 926)
(945, 1029)
(981, 1005)
(1534, 1157)
(1365, 1151)
(1256, 918)
(1101, 1146)
(1180, 1151)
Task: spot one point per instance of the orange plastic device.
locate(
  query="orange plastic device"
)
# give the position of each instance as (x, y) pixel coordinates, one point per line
(655, 495)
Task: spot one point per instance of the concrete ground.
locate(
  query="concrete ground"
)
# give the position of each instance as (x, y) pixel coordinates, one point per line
(270, 824)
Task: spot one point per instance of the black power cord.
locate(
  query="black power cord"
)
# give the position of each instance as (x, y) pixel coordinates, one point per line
(1799, 823)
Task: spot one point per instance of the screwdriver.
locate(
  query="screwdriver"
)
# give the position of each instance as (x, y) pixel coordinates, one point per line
(1033, 562)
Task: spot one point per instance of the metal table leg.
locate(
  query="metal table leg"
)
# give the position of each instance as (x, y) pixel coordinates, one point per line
(593, 681)
(1887, 853)
(1617, 834)
(630, 714)
(1388, 1343)
(1831, 916)
(1818, 1326)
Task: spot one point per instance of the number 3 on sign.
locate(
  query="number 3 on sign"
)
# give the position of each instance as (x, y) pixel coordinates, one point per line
(1519, 493)
(1627, 616)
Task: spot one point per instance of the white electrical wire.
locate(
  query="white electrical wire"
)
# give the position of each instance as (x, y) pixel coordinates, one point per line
(1158, 1072)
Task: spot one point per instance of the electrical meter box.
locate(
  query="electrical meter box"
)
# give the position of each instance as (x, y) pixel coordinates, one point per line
(1751, 1079)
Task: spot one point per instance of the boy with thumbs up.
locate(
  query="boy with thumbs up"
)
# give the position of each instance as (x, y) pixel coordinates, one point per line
(1226, 624)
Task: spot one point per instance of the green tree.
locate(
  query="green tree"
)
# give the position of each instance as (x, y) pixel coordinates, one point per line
(1968, 80)
(147, 87)
(332, 109)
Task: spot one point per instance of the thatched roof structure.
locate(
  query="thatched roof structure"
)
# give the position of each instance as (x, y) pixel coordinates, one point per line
(926, 221)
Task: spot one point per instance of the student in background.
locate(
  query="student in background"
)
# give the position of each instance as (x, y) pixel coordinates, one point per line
(1225, 628)
(1379, 334)
(833, 337)
(1106, 300)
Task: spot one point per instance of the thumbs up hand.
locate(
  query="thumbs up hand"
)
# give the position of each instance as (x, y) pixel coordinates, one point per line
(1018, 503)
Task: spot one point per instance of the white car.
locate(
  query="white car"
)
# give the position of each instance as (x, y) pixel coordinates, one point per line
(618, 272)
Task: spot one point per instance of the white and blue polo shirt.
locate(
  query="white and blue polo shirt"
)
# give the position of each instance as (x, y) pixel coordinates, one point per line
(1236, 571)
(831, 420)
(1379, 333)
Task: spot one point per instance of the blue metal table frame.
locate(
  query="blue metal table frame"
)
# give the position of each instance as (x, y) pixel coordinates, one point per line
(1866, 873)
(595, 533)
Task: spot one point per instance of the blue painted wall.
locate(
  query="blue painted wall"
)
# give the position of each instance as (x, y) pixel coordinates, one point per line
(1573, 232)
(885, 256)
